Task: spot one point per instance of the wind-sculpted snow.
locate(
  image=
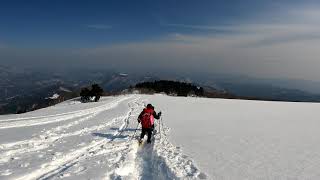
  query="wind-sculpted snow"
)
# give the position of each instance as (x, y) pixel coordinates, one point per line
(89, 141)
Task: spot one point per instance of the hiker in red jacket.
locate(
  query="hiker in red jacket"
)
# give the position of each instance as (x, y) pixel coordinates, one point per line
(146, 118)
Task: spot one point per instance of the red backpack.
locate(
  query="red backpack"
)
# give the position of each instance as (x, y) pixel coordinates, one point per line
(147, 118)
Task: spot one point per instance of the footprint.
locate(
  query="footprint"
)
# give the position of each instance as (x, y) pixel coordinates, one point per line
(82, 144)
(6, 172)
(24, 165)
(40, 155)
(80, 169)
(65, 175)
(202, 176)
(14, 158)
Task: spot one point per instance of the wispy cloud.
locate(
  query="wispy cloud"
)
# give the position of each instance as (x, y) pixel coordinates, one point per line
(99, 26)
(262, 34)
(292, 25)
(198, 27)
(286, 48)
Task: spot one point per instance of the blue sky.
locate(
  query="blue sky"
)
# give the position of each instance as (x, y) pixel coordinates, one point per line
(92, 23)
(261, 38)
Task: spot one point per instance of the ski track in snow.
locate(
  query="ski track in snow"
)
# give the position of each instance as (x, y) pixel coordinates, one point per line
(100, 156)
(44, 140)
(33, 121)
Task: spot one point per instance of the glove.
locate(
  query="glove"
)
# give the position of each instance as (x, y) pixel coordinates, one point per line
(159, 114)
(139, 120)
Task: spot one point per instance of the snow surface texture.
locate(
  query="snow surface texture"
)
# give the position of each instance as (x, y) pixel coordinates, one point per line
(240, 139)
(73, 140)
(199, 138)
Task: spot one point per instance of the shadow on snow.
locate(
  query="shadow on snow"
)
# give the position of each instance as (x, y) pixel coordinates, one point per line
(153, 166)
(110, 136)
(127, 129)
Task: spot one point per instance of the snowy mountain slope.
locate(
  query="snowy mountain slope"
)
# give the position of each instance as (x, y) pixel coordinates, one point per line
(199, 138)
(88, 141)
(239, 139)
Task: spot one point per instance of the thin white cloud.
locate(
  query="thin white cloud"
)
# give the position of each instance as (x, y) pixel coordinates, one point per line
(264, 34)
(295, 24)
(197, 27)
(99, 26)
(287, 49)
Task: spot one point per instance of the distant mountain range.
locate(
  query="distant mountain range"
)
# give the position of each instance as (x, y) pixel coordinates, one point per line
(24, 90)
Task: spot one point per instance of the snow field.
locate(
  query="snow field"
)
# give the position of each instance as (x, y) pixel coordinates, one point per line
(240, 139)
(88, 141)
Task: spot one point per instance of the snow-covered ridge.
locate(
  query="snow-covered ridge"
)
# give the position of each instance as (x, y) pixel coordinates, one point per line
(197, 138)
(94, 140)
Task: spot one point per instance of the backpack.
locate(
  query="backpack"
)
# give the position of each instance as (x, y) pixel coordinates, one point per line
(147, 118)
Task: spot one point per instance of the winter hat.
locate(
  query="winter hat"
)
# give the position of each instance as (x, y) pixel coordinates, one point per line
(150, 106)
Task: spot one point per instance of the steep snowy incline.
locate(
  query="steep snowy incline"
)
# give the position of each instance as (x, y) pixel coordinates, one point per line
(88, 141)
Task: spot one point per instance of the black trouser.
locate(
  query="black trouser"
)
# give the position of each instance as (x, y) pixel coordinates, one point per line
(144, 131)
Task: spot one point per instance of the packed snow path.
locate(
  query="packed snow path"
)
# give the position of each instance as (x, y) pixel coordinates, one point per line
(88, 141)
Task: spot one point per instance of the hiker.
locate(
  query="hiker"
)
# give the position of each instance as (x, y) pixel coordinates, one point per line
(146, 118)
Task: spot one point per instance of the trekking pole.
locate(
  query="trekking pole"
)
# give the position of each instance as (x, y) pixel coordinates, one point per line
(160, 128)
(135, 131)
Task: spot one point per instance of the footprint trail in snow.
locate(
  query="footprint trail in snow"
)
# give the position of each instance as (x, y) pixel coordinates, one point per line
(96, 141)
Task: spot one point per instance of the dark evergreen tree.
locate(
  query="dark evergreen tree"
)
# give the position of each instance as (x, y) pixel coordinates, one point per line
(85, 94)
(172, 87)
(96, 92)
